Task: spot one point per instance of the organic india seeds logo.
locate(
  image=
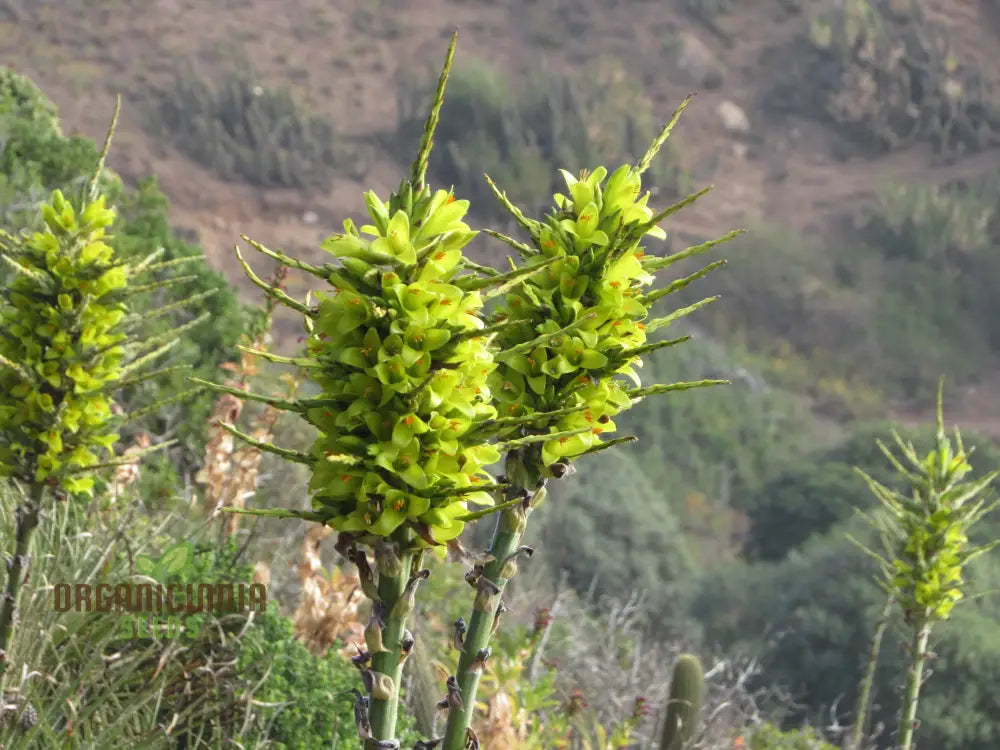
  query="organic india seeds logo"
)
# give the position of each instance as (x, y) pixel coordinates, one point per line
(151, 608)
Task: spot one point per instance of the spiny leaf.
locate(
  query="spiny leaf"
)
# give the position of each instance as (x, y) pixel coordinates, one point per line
(286, 260)
(661, 138)
(652, 390)
(678, 284)
(271, 291)
(419, 171)
(290, 455)
(652, 263)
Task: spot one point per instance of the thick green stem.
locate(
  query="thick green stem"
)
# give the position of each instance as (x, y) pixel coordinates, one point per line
(26, 520)
(918, 654)
(865, 691)
(506, 540)
(384, 711)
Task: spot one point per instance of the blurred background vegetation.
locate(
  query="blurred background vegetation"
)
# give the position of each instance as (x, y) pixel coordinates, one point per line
(856, 141)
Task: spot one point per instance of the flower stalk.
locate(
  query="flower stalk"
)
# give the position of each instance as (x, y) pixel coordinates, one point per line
(867, 683)
(925, 538)
(27, 521)
(389, 661)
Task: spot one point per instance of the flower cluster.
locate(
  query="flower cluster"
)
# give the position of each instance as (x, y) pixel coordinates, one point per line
(61, 345)
(403, 366)
(925, 533)
(585, 316)
(68, 341)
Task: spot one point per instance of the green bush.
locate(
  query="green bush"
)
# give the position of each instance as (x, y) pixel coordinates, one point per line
(243, 130)
(308, 697)
(769, 737)
(886, 73)
(35, 157)
(941, 225)
(933, 280)
(299, 700)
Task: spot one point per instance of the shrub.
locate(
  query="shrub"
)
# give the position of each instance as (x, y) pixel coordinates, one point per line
(243, 130)
(933, 275)
(939, 225)
(35, 157)
(767, 736)
(882, 70)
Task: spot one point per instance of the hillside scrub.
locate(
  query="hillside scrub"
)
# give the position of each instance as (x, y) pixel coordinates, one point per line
(891, 77)
(243, 130)
(426, 370)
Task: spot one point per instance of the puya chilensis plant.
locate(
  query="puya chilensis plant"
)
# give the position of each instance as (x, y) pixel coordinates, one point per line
(570, 339)
(925, 535)
(68, 342)
(402, 355)
(420, 392)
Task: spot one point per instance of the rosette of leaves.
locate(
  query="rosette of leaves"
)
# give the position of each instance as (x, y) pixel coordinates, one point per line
(573, 335)
(925, 535)
(68, 341)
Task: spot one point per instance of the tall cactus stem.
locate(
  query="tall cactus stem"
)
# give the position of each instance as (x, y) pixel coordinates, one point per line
(687, 691)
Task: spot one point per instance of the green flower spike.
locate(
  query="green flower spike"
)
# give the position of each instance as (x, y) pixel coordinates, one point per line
(67, 343)
(572, 335)
(925, 536)
(580, 327)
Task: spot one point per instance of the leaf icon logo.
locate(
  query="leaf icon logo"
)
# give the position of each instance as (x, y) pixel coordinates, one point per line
(173, 560)
(145, 565)
(176, 558)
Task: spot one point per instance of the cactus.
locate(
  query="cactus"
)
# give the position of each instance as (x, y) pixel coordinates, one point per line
(687, 691)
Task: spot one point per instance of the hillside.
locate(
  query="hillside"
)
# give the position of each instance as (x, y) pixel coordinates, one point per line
(756, 128)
